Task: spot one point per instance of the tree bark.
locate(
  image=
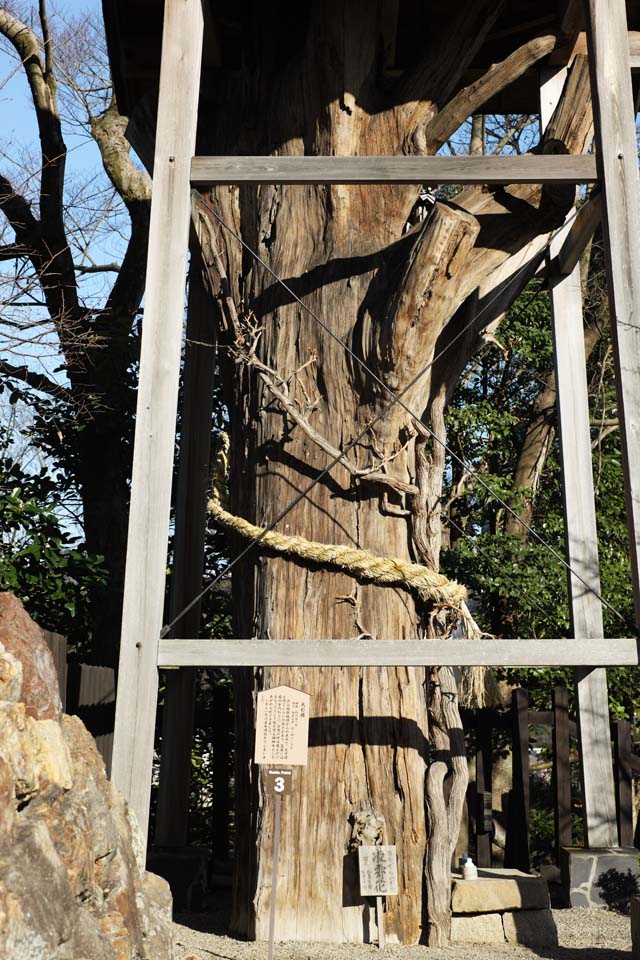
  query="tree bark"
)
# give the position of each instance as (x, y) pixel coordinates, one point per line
(395, 299)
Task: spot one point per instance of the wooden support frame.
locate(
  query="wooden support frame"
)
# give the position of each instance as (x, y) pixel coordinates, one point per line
(617, 158)
(581, 534)
(395, 653)
(530, 168)
(561, 770)
(174, 166)
(517, 853)
(157, 403)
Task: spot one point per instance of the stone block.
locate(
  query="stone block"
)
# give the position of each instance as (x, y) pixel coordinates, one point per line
(477, 928)
(532, 928)
(499, 890)
(635, 928)
(581, 870)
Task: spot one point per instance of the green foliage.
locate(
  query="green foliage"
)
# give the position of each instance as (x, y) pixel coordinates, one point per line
(518, 584)
(42, 560)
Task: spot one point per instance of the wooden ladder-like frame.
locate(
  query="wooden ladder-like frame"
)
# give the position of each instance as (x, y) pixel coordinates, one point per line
(175, 170)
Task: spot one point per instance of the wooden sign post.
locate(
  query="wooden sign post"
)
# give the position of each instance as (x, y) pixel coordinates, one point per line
(282, 741)
(378, 867)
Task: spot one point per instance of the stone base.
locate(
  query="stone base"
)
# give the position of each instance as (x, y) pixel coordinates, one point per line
(532, 928)
(502, 906)
(498, 890)
(478, 928)
(185, 870)
(581, 869)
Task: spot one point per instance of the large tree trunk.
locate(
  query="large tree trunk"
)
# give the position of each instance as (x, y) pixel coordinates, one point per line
(396, 300)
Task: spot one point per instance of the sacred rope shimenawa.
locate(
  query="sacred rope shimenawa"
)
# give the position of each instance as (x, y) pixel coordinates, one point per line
(477, 686)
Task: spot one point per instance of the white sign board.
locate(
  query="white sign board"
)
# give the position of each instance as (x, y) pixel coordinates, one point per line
(282, 727)
(378, 871)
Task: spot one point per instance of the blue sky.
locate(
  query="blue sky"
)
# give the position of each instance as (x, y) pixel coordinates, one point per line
(85, 178)
(17, 120)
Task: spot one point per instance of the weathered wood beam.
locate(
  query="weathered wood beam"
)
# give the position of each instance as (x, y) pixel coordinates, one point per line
(530, 168)
(469, 100)
(577, 43)
(618, 169)
(581, 534)
(575, 239)
(393, 653)
(157, 404)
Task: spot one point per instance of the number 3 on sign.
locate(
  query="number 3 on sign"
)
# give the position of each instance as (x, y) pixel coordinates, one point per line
(279, 782)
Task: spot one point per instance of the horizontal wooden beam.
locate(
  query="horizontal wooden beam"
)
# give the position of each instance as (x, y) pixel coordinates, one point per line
(577, 43)
(395, 653)
(530, 168)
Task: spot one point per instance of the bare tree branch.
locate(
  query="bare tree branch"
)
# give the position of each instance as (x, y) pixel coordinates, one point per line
(471, 98)
(37, 381)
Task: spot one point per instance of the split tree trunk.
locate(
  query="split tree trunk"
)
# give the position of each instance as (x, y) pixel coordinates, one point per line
(396, 300)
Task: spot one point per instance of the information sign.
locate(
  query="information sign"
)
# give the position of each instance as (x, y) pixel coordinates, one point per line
(279, 782)
(282, 727)
(378, 871)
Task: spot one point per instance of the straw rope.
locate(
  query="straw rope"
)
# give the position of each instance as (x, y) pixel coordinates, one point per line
(477, 686)
(429, 586)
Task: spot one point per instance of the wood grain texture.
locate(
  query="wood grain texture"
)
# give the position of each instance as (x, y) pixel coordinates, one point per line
(618, 170)
(581, 534)
(207, 171)
(577, 236)
(341, 653)
(157, 402)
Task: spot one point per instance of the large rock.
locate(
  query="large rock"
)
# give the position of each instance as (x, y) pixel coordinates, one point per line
(24, 641)
(72, 884)
(499, 890)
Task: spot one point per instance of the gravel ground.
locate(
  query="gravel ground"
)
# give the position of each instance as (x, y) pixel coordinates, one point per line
(594, 934)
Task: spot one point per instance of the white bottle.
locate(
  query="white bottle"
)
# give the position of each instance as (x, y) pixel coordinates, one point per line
(469, 870)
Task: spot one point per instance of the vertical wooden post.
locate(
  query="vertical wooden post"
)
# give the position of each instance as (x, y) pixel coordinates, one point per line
(222, 725)
(58, 646)
(617, 158)
(157, 402)
(581, 534)
(188, 561)
(622, 752)
(483, 785)
(561, 770)
(517, 852)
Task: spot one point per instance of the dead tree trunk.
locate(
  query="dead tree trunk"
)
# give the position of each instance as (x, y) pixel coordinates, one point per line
(397, 300)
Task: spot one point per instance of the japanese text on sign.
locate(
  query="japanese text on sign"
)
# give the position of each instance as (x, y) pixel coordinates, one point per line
(282, 727)
(378, 871)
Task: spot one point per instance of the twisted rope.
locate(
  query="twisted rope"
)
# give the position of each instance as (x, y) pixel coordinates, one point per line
(477, 686)
(429, 586)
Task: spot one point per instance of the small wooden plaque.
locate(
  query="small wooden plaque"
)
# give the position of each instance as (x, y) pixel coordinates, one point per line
(378, 871)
